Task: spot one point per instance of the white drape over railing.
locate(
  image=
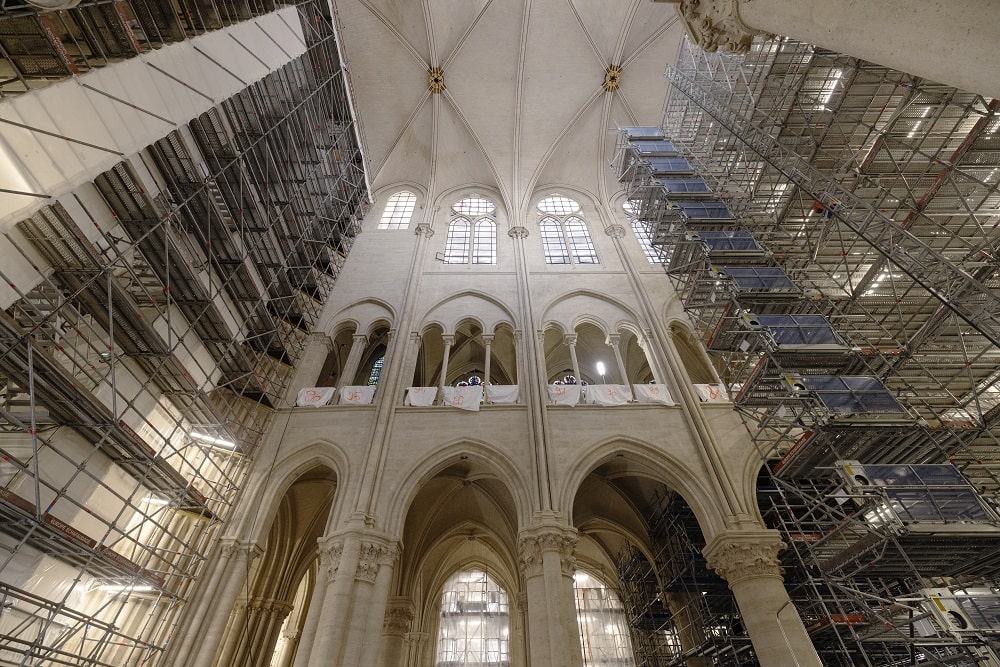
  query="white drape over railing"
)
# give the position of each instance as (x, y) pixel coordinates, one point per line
(608, 394)
(564, 394)
(420, 396)
(653, 393)
(314, 397)
(465, 398)
(357, 395)
(503, 393)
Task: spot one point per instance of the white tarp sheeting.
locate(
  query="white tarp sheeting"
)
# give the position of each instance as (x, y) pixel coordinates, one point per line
(314, 396)
(564, 394)
(420, 396)
(503, 393)
(466, 398)
(653, 393)
(711, 393)
(362, 395)
(608, 394)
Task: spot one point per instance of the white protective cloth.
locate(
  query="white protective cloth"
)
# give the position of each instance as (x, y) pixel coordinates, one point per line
(465, 398)
(711, 393)
(503, 393)
(358, 395)
(420, 396)
(608, 394)
(653, 393)
(564, 394)
(314, 397)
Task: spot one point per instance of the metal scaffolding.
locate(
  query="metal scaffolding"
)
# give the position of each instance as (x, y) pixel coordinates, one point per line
(831, 227)
(167, 304)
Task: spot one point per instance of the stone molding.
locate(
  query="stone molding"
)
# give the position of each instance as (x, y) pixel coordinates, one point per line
(712, 24)
(398, 617)
(518, 232)
(231, 549)
(740, 556)
(270, 606)
(329, 558)
(374, 554)
(534, 542)
(615, 231)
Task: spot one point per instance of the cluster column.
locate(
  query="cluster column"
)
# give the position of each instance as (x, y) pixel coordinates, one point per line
(235, 560)
(547, 565)
(748, 560)
(398, 619)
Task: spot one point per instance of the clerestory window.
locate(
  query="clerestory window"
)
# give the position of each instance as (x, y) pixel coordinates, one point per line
(472, 242)
(565, 237)
(398, 210)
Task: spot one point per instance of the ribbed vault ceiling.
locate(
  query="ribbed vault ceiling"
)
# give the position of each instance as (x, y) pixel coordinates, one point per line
(523, 104)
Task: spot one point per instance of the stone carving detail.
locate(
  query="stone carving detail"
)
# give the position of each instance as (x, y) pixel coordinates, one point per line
(518, 232)
(533, 544)
(373, 555)
(615, 231)
(329, 557)
(435, 80)
(738, 560)
(234, 549)
(425, 229)
(398, 619)
(712, 24)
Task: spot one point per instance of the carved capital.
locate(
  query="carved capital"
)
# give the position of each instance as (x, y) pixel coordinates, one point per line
(423, 229)
(488, 339)
(570, 339)
(712, 24)
(615, 231)
(614, 339)
(360, 339)
(319, 340)
(739, 556)
(233, 549)
(398, 617)
(373, 556)
(532, 544)
(329, 558)
(448, 339)
(415, 337)
(518, 232)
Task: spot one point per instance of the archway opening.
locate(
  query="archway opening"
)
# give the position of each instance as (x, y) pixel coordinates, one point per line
(645, 539)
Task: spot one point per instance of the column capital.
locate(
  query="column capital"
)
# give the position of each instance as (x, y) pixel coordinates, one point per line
(535, 541)
(518, 232)
(330, 551)
(415, 337)
(360, 338)
(423, 229)
(614, 339)
(449, 339)
(741, 555)
(570, 338)
(374, 554)
(399, 615)
(319, 338)
(712, 24)
(615, 231)
(233, 548)
(488, 339)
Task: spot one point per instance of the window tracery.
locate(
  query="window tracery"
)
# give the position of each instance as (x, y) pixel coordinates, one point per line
(565, 237)
(468, 242)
